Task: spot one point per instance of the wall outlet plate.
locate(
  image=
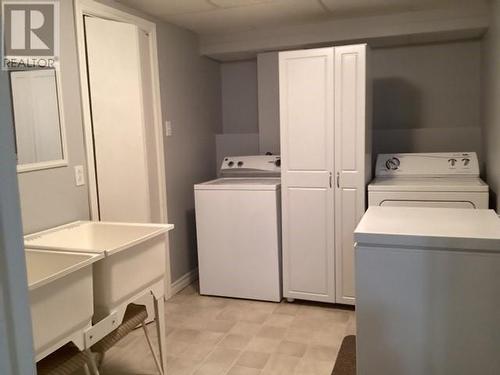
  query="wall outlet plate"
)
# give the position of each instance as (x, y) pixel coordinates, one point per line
(168, 128)
(79, 175)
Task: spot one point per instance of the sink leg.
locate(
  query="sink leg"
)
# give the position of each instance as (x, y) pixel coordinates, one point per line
(160, 329)
(91, 361)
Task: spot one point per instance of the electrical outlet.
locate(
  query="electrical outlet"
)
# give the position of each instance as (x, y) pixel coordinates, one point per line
(79, 176)
(168, 128)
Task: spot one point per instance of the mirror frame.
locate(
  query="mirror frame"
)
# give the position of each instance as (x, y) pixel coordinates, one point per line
(63, 162)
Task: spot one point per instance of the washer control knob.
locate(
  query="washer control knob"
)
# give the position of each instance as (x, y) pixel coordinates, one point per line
(392, 164)
(240, 164)
(466, 161)
(230, 164)
(277, 162)
(452, 162)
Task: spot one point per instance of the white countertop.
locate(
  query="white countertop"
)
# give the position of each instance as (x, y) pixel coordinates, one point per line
(444, 228)
(95, 236)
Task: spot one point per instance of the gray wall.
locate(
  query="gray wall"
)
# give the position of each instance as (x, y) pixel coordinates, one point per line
(239, 97)
(491, 100)
(190, 94)
(427, 98)
(269, 102)
(49, 197)
(239, 133)
(190, 89)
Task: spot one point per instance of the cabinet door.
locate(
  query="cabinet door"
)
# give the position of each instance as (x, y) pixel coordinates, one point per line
(306, 118)
(350, 159)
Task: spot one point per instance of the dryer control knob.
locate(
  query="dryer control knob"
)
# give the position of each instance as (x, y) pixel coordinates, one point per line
(392, 164)
(452, 162)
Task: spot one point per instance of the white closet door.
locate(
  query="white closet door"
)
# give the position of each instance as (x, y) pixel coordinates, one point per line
(116, 96)
(306, 117)
(350, 98)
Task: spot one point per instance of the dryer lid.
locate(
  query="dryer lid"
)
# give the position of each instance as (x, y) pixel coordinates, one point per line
(423, 184)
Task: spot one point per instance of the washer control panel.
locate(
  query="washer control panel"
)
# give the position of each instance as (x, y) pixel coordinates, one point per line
(428, 164)
(258, 165)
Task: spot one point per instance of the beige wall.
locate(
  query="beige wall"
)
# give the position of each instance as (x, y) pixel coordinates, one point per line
(491, 101)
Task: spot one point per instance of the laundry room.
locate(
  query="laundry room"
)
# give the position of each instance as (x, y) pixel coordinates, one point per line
(266, 187)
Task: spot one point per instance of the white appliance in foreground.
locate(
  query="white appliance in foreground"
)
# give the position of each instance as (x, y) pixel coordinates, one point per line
(427, 288)
(238, 220)
(428, 180)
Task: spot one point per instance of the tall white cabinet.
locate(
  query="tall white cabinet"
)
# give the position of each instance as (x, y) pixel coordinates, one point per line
(326, 164)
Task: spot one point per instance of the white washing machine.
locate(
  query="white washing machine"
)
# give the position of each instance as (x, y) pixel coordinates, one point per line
(428, 180)
(238, 225)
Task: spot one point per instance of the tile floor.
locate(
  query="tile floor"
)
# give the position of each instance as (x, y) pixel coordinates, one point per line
(223, 336)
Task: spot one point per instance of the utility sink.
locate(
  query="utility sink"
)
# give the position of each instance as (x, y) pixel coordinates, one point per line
(134, 256)
(61, 298)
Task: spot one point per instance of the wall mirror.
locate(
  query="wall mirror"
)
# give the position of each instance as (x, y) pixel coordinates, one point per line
(38, 119)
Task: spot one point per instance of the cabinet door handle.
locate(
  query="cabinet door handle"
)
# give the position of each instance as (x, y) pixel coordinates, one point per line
(330, 179)
(338, 180)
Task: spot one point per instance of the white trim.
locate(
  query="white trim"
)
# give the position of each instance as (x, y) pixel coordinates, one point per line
(62, 129)
(183, 281)
(93, 8)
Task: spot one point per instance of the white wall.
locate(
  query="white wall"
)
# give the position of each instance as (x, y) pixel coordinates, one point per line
(491, 100)
(427, 98)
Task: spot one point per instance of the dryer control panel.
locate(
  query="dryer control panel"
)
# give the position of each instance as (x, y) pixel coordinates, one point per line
(442, 164)
(257, 165)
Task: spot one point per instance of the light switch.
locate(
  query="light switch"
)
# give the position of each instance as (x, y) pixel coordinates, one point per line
(168, 128)
(79, 176)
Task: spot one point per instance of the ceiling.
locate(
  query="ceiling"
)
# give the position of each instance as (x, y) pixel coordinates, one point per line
(214, 17)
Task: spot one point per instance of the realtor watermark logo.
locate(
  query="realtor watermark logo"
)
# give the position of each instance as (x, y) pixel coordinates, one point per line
(30, 32)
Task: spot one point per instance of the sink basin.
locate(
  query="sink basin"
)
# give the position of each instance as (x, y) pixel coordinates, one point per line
(61, 298)
(134, 256)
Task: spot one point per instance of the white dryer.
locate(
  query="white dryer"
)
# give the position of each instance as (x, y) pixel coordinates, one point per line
(428, 180)
(238, 225)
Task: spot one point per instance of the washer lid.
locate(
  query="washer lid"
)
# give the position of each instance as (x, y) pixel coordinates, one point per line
(419, 184)
(451, 229)
(240, 184)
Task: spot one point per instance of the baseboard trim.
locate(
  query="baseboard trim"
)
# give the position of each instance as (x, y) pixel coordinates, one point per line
(184, 281)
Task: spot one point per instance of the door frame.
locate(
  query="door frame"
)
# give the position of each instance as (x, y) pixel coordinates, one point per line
(16, 344)
(96, 9)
